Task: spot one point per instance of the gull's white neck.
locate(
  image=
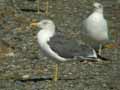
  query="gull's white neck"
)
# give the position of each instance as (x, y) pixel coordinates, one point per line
(49, 31)
(97, 14)
(99, 10)
(45, 34)
(43, 37)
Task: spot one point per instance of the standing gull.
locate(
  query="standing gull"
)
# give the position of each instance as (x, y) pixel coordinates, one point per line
(57, 47)
(95, 30)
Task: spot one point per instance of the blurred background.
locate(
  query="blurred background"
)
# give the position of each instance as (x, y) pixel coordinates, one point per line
(22, 65)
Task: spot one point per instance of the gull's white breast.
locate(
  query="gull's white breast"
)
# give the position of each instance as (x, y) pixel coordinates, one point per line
(43, 37)
(96, 27)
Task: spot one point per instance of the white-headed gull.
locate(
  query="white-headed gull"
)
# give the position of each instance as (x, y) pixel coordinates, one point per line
(95, 30)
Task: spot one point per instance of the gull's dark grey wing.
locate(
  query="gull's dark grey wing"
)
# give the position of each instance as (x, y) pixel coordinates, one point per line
(69, 48)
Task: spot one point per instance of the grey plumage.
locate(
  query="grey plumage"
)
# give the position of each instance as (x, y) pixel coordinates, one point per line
(70, 48)
(54, 44)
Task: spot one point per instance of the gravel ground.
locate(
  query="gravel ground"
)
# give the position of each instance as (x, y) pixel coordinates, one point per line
(24, 67)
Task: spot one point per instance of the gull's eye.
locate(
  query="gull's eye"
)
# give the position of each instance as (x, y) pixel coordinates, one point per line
(44, 23)
(100, 6)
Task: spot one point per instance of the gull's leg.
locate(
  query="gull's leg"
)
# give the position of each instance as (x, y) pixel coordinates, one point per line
(100, 49)
(47, 5)
(38, 6)
(55, 77)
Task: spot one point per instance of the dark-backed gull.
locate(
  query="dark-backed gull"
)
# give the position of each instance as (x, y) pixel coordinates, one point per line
(57, 47)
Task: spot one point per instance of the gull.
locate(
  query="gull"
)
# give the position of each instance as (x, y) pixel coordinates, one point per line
(95, 30)
(55, 46)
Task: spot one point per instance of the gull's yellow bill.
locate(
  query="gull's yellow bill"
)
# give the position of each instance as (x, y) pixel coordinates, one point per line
(33, 23)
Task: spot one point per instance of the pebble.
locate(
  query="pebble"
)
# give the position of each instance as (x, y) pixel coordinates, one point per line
(26, 76)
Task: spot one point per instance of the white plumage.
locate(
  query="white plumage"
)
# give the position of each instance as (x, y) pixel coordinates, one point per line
(95, 27)
(44, 35)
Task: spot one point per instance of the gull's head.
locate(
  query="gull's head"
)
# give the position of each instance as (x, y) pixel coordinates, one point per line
(44, 24)
(98, 6)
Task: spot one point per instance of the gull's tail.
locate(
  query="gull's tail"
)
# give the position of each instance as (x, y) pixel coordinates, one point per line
(103, 58)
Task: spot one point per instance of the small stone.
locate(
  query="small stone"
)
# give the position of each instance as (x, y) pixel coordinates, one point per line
(11, 54)
(25, 76)
(70, 73)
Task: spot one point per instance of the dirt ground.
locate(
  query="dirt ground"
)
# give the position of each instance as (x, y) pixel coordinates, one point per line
(24, 67)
